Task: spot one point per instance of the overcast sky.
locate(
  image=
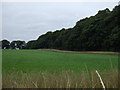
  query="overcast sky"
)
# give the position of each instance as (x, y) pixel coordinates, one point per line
(28, 20)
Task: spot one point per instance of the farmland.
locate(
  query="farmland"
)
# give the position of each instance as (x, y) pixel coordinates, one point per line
(19, 64)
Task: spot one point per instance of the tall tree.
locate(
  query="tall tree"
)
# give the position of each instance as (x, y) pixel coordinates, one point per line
(96, 33)
(5, 44)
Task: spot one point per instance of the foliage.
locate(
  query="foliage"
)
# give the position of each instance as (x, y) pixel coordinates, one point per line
(96, 33)
(5, 44)
(17, 44)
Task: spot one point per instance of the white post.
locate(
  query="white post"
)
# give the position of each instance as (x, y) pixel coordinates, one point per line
(100, 79)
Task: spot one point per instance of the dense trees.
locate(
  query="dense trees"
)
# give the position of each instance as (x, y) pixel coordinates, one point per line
(96, 33)
(5, 44)
(17, 44)
(99, 32)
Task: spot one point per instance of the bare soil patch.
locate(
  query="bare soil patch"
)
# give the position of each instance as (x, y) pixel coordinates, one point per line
(89, 52)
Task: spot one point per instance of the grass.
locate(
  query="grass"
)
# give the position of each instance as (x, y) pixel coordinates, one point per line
(44, 60)
(65, 79)
(50, 69)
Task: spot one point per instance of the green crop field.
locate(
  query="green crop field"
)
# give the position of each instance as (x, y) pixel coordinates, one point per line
(44, 60)
(45, 69)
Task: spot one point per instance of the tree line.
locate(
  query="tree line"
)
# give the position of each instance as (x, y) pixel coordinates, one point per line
(5, 44)
(96, 33)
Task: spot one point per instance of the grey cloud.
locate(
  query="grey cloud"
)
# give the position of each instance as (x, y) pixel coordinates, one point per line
(27, 21)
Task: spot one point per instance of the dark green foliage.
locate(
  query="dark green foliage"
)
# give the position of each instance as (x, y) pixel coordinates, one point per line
(30, 44)
(5, 44)
(17, 44)
(97, 33)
